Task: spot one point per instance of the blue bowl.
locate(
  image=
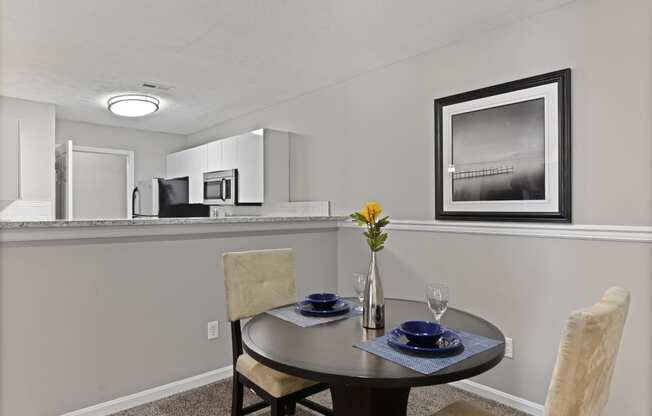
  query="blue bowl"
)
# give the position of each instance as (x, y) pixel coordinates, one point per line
(323, 301)
(422, 332)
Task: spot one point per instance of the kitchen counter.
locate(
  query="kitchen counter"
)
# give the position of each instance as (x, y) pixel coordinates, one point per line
(4, 225)
(140, 227)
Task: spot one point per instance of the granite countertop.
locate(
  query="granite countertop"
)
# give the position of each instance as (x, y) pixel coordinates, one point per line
(10, 225)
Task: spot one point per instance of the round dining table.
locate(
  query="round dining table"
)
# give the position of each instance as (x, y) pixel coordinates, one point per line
(362, 383)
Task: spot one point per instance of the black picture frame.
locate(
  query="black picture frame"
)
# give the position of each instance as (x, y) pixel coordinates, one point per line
(564, 213)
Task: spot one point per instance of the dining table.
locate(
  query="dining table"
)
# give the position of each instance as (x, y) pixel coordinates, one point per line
(362, 383)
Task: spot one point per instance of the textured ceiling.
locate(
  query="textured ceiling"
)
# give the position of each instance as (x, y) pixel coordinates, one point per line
(222, 58)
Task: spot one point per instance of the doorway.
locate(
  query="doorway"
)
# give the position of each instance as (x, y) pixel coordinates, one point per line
(94, 182)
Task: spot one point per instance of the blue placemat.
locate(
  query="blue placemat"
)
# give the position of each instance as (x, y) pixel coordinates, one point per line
(473, 344)
(290, 314)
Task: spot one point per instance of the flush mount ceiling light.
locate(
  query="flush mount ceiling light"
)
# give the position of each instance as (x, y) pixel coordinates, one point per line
(132, 105)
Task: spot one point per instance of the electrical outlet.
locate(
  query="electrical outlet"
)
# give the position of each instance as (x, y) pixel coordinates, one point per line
(509, 348)
(213, 329)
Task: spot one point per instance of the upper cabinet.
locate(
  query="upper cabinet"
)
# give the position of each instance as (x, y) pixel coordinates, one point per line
(244, 153)
(249, 161)
(230, 153)
(222, 154)
(190, 163)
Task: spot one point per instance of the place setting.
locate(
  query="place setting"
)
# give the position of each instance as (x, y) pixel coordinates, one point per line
(428, 346)
(317, 309)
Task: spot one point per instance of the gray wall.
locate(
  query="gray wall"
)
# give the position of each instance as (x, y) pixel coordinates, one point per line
(355, 139)
(527, 286)
(86, 321)
(150, 147)
(371, 137)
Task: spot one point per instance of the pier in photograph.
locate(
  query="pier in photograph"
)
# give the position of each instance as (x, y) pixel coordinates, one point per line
(475, 173)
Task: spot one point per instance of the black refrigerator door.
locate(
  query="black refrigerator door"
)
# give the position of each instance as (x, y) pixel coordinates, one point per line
(173, 200)
(173, 191)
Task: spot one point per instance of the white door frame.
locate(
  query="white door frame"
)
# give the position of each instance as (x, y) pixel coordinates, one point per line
(128, 154)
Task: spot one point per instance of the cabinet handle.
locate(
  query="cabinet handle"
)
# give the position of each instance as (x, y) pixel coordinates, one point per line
(20, 165)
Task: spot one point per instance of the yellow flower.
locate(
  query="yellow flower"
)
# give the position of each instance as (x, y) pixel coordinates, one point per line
(370, 211)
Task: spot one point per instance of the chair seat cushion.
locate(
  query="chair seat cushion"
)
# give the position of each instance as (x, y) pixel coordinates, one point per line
(274, 382)
(461, 409)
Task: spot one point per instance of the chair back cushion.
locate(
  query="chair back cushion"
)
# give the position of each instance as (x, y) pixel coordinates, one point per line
(256, 281)
(586, 358)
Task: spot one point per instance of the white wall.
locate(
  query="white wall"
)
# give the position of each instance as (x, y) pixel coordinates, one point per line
(371, 137)
(150, 147)
(37, 122)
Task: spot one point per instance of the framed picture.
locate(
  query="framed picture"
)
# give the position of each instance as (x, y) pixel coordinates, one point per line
(503, 153)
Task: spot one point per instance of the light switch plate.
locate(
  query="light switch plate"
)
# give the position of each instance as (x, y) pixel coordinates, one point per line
(213, 329)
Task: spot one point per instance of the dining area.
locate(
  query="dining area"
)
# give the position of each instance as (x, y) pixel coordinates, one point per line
(419, 208)
(369, 352)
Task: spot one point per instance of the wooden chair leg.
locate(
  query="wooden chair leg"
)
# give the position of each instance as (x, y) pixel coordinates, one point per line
(290, 408)
(237, 398)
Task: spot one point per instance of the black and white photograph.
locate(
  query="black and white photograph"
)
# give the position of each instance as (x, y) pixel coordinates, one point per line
(499, 153)
(503, 152)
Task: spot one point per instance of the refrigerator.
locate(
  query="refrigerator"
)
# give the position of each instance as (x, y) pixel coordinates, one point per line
(165, 198)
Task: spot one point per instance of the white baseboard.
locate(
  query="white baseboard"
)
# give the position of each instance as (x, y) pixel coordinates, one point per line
(166, 390)
(507, 399)
(155, 393)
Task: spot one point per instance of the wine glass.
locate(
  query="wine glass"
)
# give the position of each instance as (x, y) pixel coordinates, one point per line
(359, 282)
(437, 296)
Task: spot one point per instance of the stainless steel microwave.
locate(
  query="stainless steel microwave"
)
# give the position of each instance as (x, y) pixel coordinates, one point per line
(221, 187)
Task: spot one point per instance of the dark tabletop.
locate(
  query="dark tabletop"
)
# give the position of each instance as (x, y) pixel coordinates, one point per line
(325, 353)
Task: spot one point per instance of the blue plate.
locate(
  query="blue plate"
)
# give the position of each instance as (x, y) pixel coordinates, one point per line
(306, 308)
(449, 342)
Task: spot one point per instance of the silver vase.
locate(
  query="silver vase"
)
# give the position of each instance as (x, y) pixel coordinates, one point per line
(373, 307)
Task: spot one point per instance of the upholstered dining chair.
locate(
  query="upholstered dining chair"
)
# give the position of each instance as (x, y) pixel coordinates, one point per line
(257, 281)
(585, 361)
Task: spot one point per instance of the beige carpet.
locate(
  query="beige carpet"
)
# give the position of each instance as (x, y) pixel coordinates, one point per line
(215, 400)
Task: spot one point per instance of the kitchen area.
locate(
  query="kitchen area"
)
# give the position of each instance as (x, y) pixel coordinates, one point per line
(54, 176)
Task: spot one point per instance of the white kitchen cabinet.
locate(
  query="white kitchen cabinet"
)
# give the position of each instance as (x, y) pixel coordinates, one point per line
(250, 165)
(190, 163)
(197, 169)
(230, 153)
(244, 153)
(222, 154)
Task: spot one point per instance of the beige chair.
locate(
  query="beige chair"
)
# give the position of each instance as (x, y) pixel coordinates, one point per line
(255, 282)
(585, 361)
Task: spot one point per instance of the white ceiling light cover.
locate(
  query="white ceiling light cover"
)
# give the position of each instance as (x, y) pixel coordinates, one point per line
(133, 105)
